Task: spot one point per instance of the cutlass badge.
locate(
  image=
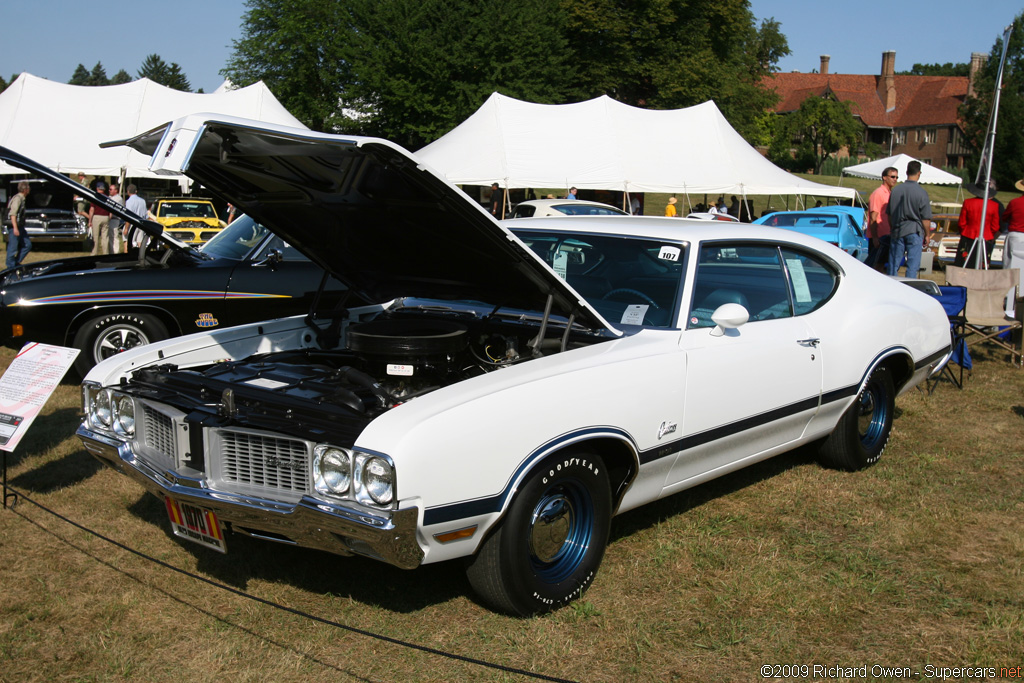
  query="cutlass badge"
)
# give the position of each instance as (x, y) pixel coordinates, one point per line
(666, 428)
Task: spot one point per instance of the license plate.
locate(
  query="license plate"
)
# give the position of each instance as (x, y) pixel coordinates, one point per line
(196, 524)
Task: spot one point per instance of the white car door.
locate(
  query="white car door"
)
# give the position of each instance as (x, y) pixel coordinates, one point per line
(755, 387)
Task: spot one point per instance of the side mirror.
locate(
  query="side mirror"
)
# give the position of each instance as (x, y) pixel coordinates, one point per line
(728, 317)
(272, 258)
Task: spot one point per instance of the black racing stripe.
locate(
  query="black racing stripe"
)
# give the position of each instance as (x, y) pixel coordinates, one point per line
(928, 360)
(492, 504)
(471, 508)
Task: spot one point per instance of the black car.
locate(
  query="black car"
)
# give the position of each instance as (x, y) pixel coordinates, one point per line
(49, 213)
(103, 305)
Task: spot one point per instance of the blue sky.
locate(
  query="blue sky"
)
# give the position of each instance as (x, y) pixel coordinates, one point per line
(49, 38)
(856, 35)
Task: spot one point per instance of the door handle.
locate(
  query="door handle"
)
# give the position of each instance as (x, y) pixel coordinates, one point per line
(813, 341)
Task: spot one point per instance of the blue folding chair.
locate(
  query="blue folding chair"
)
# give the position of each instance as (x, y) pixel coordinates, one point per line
(954, 302)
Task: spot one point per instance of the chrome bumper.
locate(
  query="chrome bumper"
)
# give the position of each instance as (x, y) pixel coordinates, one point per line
(310, 523)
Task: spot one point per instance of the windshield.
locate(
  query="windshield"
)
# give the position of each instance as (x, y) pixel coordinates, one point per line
(628, 280)
(236, 240)
(186, 210)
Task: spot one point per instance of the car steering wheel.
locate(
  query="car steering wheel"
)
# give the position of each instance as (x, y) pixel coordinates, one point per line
(626, 290)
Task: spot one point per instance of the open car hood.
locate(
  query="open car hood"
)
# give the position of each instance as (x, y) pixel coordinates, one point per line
(363, 209)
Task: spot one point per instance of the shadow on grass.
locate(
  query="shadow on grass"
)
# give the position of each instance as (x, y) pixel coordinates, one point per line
(68, 471)
(45, 433)
(1018, 411)
(363, 580)
(654, 513)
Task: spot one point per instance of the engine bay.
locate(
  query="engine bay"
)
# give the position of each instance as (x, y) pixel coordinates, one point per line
(380, 364)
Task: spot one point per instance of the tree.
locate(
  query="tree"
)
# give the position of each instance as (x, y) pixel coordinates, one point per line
(1008, 158)
(80, 76)
(176, 79)
(666, 54)
(947, 69)
(824, 123)
(3, 84)
(98, 76)
(295, 48)
(421, 67)
(120, 77)
(154, 68)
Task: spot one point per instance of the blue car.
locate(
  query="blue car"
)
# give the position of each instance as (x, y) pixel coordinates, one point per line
(842, 226)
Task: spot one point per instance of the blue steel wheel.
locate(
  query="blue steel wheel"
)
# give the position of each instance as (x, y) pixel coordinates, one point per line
(862, 433)
(546, 551)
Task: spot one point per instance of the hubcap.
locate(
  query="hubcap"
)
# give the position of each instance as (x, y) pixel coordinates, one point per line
(561, 528)
(117, 340)
(872, 417)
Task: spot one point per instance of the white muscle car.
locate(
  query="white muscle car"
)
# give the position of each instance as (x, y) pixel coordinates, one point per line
(517, 385)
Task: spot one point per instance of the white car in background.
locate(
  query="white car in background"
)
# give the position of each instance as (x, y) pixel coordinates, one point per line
(537, 208)
(517, 384)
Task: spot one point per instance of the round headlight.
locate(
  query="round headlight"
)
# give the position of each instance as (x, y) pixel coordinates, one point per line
(379, 480)
(334, 468)
(124, 414)
(101, 408)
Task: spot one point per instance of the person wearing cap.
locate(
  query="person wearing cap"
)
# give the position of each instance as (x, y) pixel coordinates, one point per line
(1013, 249)
(670, 209)
(99, 220)
(910, 217)
(970, 224)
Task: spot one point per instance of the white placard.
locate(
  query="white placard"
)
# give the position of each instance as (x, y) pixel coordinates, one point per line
(634, 314)
(264, 383)
(801, 289)
(561, 263)
(668, 253)
(26, 385)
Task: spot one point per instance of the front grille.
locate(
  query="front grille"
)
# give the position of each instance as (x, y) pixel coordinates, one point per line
(264, 461)
(208, 235)
(159, 432)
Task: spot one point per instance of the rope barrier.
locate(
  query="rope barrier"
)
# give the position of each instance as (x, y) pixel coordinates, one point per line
(285, 608)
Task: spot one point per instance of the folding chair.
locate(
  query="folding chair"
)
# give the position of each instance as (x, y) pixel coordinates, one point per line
(985, 313)
(954, 301)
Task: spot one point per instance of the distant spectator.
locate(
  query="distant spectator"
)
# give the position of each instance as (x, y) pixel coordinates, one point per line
(99, 221)
(572, 193)
(970, 224)
(634, 205)
(734, 207)
(670, 209)
(910, 218)
(878, 220)
(136, 205)
(114, 245)
(1013, 251)
(496, 202)
(18, 243)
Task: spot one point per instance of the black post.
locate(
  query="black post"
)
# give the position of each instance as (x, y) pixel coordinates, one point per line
(12, 495)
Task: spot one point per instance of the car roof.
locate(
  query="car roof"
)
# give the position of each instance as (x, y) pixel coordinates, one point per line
(557, 202)
(661, 228)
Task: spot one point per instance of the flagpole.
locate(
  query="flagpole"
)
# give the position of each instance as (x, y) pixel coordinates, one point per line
(988, 151)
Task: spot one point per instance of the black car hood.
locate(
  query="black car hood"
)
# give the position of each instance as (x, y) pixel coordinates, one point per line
(363, 209)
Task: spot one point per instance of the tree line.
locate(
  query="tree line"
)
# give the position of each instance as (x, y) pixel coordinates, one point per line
(411, 70)
(153, 67)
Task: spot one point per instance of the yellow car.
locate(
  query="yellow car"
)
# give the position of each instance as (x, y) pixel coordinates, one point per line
(192, 220)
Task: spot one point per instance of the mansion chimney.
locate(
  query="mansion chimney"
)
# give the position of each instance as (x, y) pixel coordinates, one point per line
(978, 60)
(824, 64)
(887, 80)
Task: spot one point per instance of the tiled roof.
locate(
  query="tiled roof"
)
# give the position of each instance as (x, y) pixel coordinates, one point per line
(920, 100)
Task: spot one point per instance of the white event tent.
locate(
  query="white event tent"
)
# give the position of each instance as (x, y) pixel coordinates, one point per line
(602, 144)
(930, 175)
(62, 126)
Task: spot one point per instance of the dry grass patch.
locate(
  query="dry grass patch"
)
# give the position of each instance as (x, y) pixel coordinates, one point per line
(917, 560)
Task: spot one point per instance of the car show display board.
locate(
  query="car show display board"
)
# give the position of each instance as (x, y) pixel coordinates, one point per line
(25, 387)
